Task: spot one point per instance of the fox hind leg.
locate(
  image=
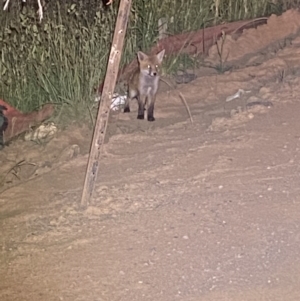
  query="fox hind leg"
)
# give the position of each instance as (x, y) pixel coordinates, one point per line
(132, 93)
(126, 106)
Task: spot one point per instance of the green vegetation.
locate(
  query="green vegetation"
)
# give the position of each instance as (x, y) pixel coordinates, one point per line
(63, 59)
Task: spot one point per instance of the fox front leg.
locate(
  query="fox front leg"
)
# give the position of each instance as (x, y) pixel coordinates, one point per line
(141, 103)
(150, 111)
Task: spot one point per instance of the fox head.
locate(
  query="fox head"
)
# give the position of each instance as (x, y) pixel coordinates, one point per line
(149, 64)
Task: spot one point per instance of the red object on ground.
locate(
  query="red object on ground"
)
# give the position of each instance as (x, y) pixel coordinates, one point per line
(194, 43)
(19, 122)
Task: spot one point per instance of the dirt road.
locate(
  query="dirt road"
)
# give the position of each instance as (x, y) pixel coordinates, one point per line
(208, 210)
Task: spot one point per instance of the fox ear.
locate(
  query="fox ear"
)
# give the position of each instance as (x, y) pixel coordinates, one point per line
(141, 56)
(160, 55)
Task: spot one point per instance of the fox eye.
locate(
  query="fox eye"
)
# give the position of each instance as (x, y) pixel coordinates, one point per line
(156, 66)
(149, 67)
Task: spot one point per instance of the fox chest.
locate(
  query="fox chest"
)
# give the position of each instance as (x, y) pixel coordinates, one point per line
(148, 85)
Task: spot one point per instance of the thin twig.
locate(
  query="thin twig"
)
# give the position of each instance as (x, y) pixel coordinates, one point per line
(182, 98)
(187, 107)
(40, 10)
(6, 5)
(166, 82)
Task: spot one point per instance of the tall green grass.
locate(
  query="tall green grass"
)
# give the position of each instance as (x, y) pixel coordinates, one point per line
(60, 61)
(63, 59)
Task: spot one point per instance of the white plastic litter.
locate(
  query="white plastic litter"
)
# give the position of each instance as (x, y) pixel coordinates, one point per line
(238, 94)
(43, 131)
(116, 102)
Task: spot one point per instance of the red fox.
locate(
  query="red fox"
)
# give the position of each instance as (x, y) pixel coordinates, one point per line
(143, 84)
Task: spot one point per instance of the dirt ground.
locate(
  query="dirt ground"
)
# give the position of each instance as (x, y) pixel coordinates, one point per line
(208, 210)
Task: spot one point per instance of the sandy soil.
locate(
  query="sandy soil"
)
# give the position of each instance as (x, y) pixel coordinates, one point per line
(208, 210)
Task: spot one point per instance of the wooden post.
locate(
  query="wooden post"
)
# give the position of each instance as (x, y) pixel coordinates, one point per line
(105, 102)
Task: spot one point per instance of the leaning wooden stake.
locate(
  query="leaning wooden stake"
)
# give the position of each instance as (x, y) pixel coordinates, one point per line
(104, 108)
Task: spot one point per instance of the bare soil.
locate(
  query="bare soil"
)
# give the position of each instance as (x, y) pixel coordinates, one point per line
(208, 210)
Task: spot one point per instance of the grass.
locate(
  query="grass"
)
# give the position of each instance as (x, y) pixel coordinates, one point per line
(63, 59)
